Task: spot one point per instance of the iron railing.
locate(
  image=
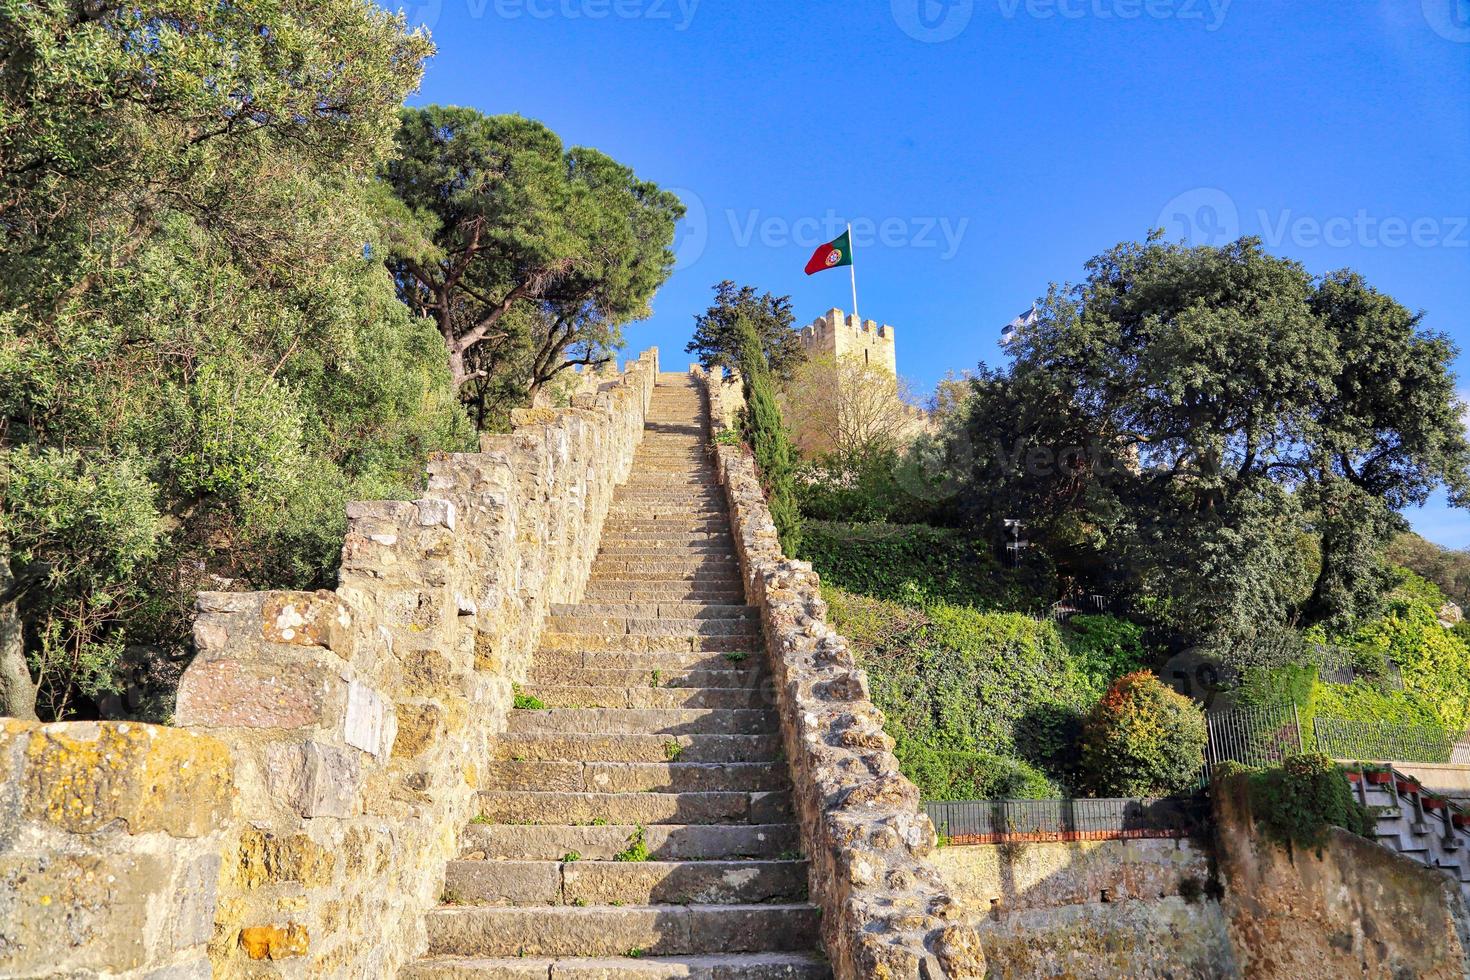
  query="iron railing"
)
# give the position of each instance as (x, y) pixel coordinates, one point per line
(1370, 741)
(1259, 737)
(1001, 821)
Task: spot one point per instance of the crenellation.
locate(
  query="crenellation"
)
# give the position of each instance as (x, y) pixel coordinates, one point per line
(838, 334)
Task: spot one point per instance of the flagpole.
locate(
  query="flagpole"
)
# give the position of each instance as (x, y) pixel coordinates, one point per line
(852, 268)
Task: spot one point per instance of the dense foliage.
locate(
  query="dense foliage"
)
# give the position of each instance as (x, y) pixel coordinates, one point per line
(1445, 567)
(200, 361)
(764, 431)
(1298, 802)
(719, 332)
(1238, 436)
(914, 563)
(528, 257)
(1143, 739)
(959, 686)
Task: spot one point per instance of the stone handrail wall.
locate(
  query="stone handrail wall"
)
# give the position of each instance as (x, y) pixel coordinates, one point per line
(886, 913)
(298, 821)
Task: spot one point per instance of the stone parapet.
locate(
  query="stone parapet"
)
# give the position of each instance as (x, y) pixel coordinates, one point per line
(298, 821)
(886, 913)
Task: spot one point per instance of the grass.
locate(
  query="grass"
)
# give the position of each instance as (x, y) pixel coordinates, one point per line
(672, 751)
(527, 702)
(637, 849)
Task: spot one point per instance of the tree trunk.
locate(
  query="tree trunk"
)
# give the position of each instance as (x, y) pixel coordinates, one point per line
(17, 690)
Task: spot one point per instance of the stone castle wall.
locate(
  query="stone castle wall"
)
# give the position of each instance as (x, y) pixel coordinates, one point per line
(886, 913)
(298, 821)
(838, 334)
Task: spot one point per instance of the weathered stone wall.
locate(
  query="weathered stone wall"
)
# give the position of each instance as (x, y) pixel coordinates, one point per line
(1357, 909)
(1099, 909)
(886, 913)
(299, 827)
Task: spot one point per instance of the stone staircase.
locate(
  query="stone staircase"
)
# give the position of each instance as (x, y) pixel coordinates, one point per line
(1419, 824)
(638, 823)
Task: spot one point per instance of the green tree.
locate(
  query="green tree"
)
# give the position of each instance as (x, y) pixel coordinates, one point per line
(1222, 406)
(765, 433)
(531, 257)
(202, 357)
(719, 332)
(1143, 739)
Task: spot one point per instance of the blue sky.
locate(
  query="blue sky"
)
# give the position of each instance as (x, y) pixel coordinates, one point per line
(984, 148)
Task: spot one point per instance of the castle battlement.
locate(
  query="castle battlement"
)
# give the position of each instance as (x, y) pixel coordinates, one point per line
(838, 334)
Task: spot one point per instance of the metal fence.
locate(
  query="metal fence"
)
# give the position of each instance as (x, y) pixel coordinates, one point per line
(1006, 821)
(1265, 736)
(1252, 736)
(1368, 741)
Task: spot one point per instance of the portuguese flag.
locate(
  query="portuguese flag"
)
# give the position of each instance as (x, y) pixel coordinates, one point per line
(837, 252)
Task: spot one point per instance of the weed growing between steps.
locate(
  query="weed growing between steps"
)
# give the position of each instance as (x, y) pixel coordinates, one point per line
(637, 849)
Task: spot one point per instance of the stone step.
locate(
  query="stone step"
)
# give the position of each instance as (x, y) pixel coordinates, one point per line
(637, 777)
(665, 842)
(642, 882)
(733, 677)
(647, 662)
(665, 511)
(614, 590)
(649, 696)
(655, 569)
(519, 806)
(666, 538)
(631, 526)
(682, 550)
(739, 625)
(733, 966)
(598, 747)
(644, 643)
(610, 931)
(659, 610)
(635, 497)
(645, 721)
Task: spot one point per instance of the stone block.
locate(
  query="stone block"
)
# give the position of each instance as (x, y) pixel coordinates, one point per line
(307, 619)
(436, 513)
(229, 693)
(313, 779)
(274, 942)
(196, 886)
(266, 859)
(84, 777)
(366, 724)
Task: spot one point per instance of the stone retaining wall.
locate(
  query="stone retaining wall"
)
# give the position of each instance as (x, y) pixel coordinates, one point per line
(886, 913)
(298, 822)
(1354, 908)
(1136, 908)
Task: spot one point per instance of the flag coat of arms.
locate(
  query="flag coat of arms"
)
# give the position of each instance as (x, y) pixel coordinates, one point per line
(832, 255)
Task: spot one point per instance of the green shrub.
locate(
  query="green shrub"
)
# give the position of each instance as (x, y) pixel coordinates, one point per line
(1297, 802)
(954, 679)
(917, 564)
(1105, 647)
(952, 775)
(765, 433)
(1143, 739)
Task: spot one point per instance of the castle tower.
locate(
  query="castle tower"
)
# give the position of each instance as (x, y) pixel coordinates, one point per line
(838, 334)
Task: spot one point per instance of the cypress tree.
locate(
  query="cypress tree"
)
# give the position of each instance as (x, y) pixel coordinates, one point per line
(765, 433)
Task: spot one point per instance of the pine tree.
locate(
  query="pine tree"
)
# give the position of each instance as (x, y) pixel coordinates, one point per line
(765, 433)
